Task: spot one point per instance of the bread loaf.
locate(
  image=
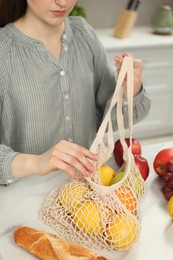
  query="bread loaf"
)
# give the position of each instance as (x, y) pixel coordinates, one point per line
(47, 246)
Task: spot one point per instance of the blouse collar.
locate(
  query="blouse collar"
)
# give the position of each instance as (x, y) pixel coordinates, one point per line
(31, 41)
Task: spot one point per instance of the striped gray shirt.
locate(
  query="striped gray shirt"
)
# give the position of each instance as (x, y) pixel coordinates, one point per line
(43, 100)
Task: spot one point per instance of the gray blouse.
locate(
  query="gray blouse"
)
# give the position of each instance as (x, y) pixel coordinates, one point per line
(43, 100)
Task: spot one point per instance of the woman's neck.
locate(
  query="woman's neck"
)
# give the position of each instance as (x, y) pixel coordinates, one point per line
(49, 35)
(39, 29)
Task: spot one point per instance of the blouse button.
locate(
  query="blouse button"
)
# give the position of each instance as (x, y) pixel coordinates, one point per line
(9, 181)
(62, 72)
(67, 118)
(66, 48)
(64, 36)
(66, 96)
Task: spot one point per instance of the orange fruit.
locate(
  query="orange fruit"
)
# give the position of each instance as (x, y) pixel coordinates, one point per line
(127, 197)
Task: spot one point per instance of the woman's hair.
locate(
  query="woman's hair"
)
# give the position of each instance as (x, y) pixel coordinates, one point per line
(11, 10)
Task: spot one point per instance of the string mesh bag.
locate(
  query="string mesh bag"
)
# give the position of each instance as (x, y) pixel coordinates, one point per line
(89, 213)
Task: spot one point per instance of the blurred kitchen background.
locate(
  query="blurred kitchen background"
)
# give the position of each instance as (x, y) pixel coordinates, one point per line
(147, 34)
(103, 13)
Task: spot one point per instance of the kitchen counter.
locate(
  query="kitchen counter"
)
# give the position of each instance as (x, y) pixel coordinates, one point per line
(20, 204)
(139, 37)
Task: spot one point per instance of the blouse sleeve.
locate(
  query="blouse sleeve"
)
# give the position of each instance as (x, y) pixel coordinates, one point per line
(6, 157)
(6, 153)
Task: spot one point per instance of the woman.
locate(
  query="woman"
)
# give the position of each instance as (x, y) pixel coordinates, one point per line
(55, 86)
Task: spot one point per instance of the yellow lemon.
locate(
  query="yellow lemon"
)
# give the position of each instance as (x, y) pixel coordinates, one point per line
(72, 194)
(87, 218)
(170, 207)
(106, 175)
(122, 232)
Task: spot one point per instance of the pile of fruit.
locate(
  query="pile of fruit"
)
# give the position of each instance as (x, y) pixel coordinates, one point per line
(109, 176)
(97, 221)
(116, 222)
(163, 166)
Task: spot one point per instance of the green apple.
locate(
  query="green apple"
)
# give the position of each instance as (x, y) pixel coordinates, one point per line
(118, 177)
(131, 182)
(138, 186)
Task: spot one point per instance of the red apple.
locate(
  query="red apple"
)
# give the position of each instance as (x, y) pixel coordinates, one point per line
(142, 165)
(162, 161)
(118, 150)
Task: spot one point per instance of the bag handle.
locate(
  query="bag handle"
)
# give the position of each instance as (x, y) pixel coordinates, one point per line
(126, 69)
(120, 120)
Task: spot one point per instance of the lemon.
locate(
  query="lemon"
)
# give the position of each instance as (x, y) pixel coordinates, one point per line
(72, 194)
(122, 231)
(170, 207)
(106, 175)
(87, 218)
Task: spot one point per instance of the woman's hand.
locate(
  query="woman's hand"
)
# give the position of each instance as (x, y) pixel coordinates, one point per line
(137, 68)
(64, 156)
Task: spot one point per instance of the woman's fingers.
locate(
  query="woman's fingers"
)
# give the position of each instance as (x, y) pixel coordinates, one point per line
(75, 157)
(77, 150)
(138, 69)
(60, 165)
(77, 154)
(68, 157)
(77, 161)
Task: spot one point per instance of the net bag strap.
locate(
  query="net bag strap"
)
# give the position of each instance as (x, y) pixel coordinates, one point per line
(98, 145)
(120, 120)
(117, 98)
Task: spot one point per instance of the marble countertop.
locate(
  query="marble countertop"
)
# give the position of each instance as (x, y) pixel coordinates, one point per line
(139, 37)
(20, 204)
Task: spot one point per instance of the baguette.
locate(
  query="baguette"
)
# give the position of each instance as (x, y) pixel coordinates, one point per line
(47, 246)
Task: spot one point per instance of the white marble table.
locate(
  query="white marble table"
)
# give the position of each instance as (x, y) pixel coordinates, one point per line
(20, 204)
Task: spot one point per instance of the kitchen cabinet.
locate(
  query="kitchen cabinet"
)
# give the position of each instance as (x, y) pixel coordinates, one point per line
(156, 52)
